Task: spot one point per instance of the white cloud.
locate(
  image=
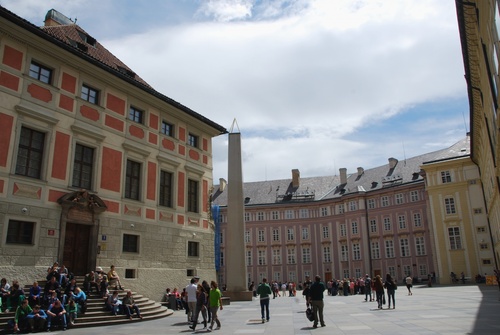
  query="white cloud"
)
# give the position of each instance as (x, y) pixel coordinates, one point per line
(306, 78)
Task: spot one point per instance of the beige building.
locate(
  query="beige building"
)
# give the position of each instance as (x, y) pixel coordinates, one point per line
(478, 22)
(459, 227)
(96, 167)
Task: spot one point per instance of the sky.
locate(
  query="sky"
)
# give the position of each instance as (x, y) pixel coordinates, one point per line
(314, 85)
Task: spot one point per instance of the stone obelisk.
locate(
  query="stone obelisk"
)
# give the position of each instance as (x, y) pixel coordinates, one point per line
(236, 273)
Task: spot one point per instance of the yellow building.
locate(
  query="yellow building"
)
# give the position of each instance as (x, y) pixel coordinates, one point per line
(478, 21)
(460, 231)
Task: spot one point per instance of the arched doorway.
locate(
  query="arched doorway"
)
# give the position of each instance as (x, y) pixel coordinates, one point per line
(79, 228)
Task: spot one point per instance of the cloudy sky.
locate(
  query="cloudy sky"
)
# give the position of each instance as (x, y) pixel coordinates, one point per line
(314, 85)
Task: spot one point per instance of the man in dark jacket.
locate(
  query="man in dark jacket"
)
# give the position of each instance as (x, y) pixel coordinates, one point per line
(316, 296)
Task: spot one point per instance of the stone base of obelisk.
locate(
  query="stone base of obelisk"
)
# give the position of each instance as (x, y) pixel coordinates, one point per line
(238, 295)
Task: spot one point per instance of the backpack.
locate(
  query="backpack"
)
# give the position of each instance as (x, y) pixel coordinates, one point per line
(309, 314)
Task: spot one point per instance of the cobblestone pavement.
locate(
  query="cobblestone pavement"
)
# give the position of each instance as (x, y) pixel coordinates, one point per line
(459, 309)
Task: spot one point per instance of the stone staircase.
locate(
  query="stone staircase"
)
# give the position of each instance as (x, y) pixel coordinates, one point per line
(97, 315)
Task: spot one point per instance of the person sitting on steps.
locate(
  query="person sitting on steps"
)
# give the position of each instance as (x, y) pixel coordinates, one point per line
(114, 278)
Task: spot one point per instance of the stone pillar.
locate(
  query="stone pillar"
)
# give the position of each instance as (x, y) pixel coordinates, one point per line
(236, 272)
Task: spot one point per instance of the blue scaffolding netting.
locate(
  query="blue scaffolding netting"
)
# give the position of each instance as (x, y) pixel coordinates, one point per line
(215, 217)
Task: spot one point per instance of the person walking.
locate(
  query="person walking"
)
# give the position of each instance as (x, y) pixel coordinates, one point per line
(191, 299)
(264, 291)
(316, 296)
(368, 288)
(379, 290)
(409, 284)
(215, 302)
(391, 287)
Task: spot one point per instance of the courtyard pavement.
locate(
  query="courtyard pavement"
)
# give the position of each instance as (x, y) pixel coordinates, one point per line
(458, 309)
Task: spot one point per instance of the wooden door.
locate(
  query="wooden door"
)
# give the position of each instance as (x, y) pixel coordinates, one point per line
(76, 248)
(328, 276)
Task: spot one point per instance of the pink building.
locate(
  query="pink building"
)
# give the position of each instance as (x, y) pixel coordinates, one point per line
(373, 221)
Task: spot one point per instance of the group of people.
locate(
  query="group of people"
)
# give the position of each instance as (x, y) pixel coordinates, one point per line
(198, 299)
(205, 299)
(60, 300)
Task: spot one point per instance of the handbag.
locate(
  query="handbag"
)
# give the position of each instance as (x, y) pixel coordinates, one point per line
(309, 314)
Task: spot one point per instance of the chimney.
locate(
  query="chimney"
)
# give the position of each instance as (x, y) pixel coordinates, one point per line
(392, 162)
(360, 171)
(54, 18)
(222, 184)
(295, 178)
(343, 176)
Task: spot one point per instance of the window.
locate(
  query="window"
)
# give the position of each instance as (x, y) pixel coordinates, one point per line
(275, 215)
(375, 249)
(20, 232)
(373, 226)
(481, 229)
(420, 246)
(192, 196)
(166, 188)
(407, 270)
(291, 276)
(82, 167)
(276, 235)
(399, 199)
(260, 216)
(392, 271)
(404, 247)
(290, 252)
(454, 236)
(193, 249)
(221, 259)
(249, 257)
(192, 140)
(304, 213)
(167, 128)
(276, 256)
(344, 253)
(326, 231)
(261, 255)
(356, 252)
(327, 258)
(30, 154)
(247, 217)
(354, 228)
(422, 270)
(445, 177)
(343, 230)
(353, 205)
(371, 203)
(132, 180)
(276, 276)
(290, 234)
(221, 238)
(40, 72)
(387, 224)
(449, 204)
(130, 243)
(389, 249)
(136, 114)
(341, 208)
(289, 214)
(385, 201)
(478, 210)
(402, 221)
(324, 211)
(90, 94)
(346, 273)
(306, 255)
(417, 220)
(305, 233)
(261, 236)
(247, 236)
(414, 196)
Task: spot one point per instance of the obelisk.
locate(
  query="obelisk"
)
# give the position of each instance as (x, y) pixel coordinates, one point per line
(236, 270)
